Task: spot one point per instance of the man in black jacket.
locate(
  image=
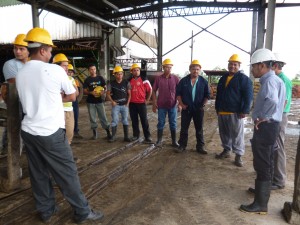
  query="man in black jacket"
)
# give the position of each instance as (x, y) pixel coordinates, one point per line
(233, 101)
(192, 94)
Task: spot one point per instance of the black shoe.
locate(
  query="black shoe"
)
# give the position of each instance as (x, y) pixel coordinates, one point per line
(276, 187)
(93, 216)
(77, 136)
(148, 140)
(251, 190)
(238, 161)
(134, 138)
(179, 149)
(76, 160)
(223, 155)
(45, 217)
(95, 134)
(202, 151)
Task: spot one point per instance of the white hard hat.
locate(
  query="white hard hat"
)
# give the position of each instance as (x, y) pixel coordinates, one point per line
(262, 55)
(278, 58)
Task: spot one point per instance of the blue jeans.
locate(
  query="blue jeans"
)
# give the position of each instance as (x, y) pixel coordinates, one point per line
(172, 115)
(99, 109)
(123, 110)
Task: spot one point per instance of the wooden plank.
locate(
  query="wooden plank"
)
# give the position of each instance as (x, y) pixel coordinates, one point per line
(13, 180)
(291, 210)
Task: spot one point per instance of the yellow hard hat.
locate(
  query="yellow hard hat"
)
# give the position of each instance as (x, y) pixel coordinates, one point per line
(60, 57)
(235, 58)
(98, 90)
(167, 62)
(38, 35)
(19, 40)
(134, 66)
(70, 67)
(117, 69)
(195, 62)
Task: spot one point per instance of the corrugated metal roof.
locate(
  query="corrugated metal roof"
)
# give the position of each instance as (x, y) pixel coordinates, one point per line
(9, 3)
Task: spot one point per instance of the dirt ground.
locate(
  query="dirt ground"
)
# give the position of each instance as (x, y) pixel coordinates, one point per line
(167, 188)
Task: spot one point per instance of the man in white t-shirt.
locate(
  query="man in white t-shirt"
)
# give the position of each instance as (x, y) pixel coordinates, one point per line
(42, 130)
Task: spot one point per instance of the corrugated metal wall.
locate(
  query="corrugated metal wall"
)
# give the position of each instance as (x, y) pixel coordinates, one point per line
(17, 19)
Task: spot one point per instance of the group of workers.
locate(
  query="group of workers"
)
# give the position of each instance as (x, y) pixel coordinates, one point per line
(48, 92)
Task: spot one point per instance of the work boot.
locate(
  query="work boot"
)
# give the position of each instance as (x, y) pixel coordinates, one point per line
(261, 199)
(223, 155)
(173, 135)
(93, 216)
(238, 160)
(159, 138)
(113, 134)
(95, 134)
(272, 188)
(125, 129)
(108, 135)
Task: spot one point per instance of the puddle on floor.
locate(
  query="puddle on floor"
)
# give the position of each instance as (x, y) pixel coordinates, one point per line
(248, 120)
(293, 122)
(247, 130)
(292, 131)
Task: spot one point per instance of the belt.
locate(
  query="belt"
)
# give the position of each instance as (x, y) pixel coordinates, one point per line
(271, 121)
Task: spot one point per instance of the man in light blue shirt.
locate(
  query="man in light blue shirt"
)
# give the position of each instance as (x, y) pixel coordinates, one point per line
(267, 115)
(10, 70)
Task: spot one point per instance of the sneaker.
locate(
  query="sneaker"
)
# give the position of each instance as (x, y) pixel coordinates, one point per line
(45, 217)
(223, 155)
(93, 216)
(238, 160)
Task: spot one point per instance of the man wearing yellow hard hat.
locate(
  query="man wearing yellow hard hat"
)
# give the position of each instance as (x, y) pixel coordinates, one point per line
(192, 94)
(42, 130)
(10, 70)
(75, 104)
(62, 60)
(233, 103)
(165, 102)
(141, 91)
(119, 94)
(94, 87)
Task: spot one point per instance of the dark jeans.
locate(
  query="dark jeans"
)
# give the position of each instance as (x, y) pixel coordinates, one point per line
(137, 110)
(53, 155)
(186, 117)
(76, 115)
(263, 149)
